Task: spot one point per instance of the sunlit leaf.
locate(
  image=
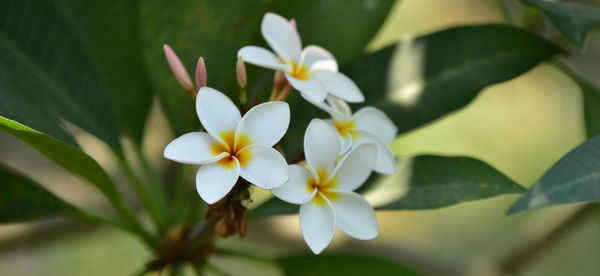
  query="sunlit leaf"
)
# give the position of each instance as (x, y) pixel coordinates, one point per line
(73, 60)
(23, 199)
(342, 265)
(438, 181)
(574, 20)
(67, 156)
(574, 178)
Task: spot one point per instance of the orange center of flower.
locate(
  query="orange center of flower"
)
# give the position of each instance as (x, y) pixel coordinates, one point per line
(346, 128)
(233, 147)
(323, 187)
(299, 71)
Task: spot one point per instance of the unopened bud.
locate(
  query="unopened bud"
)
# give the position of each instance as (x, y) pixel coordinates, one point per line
(293, 23)
(178, 69)
(201, 78)
(240, 74)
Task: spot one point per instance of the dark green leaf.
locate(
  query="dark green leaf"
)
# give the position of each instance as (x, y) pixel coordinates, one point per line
(23, 199)
(342, 265)
(73, 60)
(452, 66)
(438, 181)
(574, 20)
(67, 156)
(574, 178)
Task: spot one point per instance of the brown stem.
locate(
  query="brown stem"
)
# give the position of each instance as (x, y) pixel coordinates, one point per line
(535, 247)
(285, 93)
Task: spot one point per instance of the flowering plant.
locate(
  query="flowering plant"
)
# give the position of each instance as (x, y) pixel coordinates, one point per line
(282, 116)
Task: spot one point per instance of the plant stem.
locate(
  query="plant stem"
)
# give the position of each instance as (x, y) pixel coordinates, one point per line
(146, 199)
(244, 255)
(532, 249)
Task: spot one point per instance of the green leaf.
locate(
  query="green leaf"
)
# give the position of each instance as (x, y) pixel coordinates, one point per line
(76, 61)
(444, 71)
(342, 265)
(274, 207)
(23, 199)
(67, 156)
(574, 20)
(438, 181)
(574, 178)
(329, 24)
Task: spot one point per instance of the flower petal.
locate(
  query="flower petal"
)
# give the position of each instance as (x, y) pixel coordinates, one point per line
(339, 85)
(265, 167)
(325, 106)
(385, 163)
(193, 148)
(265, 123)
(214, 181)
(317, 58)
(355, 216)
(262, 57)
(321, 145)
(374, 121)
(310, 89)
(317, 224)
(340, 106)
(281, 36)
(355, 167)
(295, 190)
(217, 113)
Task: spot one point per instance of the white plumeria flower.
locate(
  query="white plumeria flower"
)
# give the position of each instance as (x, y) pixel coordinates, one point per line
(313, 70)
(325, 189)
(234, 145)
(367, 125)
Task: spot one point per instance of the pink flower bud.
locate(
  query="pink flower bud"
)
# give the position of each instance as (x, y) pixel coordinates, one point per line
(240, 74)
(293, 23)
(178, 69)
(201, 78)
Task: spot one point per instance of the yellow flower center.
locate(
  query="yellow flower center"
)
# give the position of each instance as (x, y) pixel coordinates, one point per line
(233, 147)
(299, 71)
(323, 187)
(346, 128)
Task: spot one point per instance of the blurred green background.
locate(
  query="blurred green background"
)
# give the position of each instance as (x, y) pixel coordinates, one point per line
(521, 127)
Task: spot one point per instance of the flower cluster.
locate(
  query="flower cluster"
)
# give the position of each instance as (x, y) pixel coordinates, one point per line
(340, 153)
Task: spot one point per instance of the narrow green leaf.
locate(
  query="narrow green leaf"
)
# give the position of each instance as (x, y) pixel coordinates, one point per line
(574, 178)
(76, 61)
(574, 20)
(438, 181)
(23, 199)
(67, 156)
(342, 265)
